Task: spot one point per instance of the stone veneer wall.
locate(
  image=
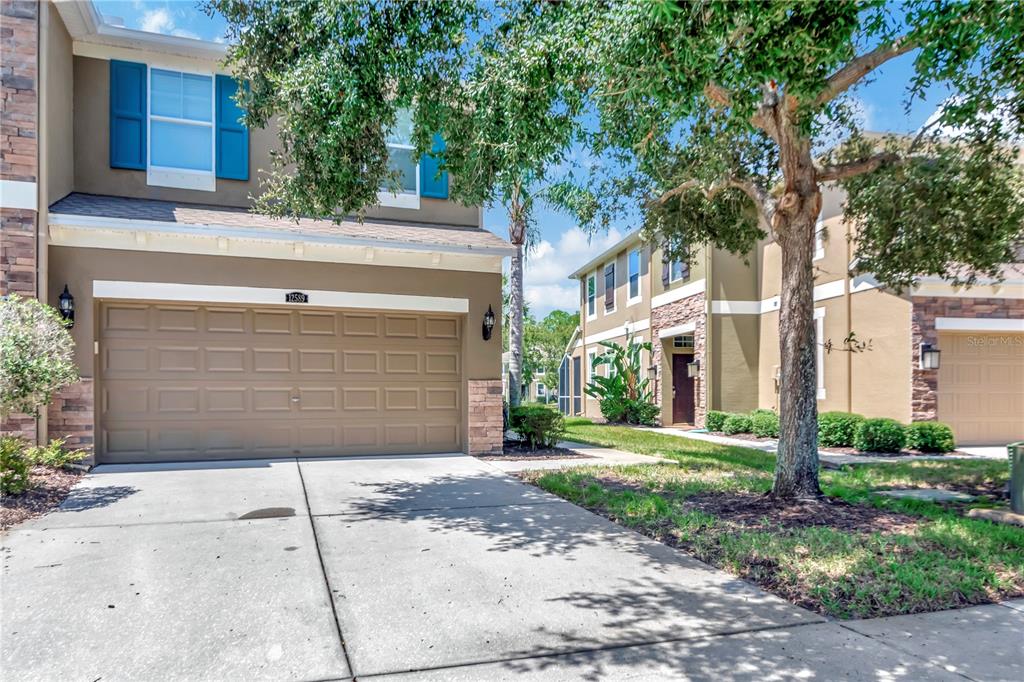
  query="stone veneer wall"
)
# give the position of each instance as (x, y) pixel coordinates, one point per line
(925, 383)
(689, 309)
(486, 422)
(71, 416)
(19, 33)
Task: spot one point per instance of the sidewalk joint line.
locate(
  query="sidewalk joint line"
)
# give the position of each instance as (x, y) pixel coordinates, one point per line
(904, 651)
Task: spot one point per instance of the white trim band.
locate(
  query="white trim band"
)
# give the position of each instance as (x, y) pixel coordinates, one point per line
(616, 332)
(979, 324)
(679, 329)
(211, 293)
(822, 292)
(18, 194)
(685, 291)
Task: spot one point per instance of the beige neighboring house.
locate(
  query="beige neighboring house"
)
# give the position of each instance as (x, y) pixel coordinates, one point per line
(204, 331)
(536, 391)
(714, 330)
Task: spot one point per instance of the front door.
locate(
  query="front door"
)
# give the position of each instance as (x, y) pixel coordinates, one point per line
(682, 391)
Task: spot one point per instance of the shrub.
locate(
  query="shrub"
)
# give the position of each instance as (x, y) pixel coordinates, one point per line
(837, 429)
(761, 410)
(715, 420)
(737, 423)
(539, 425)
(930, 437)
(14, 466)
(36, 355)
(764, 424)
(54, 454)
(624, 394)
(880, 435)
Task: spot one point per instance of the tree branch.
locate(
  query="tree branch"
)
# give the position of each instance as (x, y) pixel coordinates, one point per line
(846, 77)
(852, 168)
(762, 200)
(718, 95)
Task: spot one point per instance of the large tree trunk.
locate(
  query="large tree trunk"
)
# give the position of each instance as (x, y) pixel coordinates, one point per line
(515, 317)
(796, 470)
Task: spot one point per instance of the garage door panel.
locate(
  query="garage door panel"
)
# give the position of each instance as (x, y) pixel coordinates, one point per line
(177, 319)
(401, 326)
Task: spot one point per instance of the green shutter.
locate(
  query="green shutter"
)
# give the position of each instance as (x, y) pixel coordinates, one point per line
(433, 184)
(127, 115)
(232, 136)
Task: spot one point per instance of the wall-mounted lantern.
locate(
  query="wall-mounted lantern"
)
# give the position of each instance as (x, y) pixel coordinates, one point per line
(652, 373)
(693, 369)
(929, 356)
(66, 304)
(488, 323)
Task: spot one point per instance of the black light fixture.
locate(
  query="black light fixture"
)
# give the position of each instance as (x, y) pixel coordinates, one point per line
(66, 303)
(929, 356)
(693, 369)
(652, 373)
(488, 323)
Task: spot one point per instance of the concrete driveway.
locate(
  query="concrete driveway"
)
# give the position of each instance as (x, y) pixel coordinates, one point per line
(432, 566)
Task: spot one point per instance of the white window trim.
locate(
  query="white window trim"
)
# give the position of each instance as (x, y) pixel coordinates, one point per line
(181, 178)
(819, 332)
(591, 315)
(633, 300)
(819, 241)
(401, 199)
(615, 285)
(591, 354)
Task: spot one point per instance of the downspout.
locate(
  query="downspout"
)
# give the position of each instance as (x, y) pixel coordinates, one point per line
(708, 335)
(849, 319)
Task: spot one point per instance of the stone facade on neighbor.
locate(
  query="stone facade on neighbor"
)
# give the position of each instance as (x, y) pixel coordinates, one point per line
(486, 421)
(72, 416)
(688, 310)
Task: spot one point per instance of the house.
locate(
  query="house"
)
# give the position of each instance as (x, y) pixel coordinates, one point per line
(534, 391)
(713, 325)
(202, 330)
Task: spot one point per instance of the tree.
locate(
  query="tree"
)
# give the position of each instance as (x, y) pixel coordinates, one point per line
(545, 343)
(714, 119)
(335, 75)
(36, 355)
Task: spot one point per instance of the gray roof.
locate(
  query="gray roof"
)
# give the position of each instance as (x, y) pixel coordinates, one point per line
(386, 232)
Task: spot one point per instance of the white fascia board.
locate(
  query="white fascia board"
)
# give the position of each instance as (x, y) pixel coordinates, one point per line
(685, 291)
(979, 324)
(1006, 289)
(214, 230)
(736, 307)
(679, 329)
(616, 332)
(211, 293)
(18, 194)
(822, 292)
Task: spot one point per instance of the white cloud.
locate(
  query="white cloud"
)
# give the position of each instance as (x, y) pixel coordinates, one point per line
(157, 21)
(1002, 115)
(548, 266)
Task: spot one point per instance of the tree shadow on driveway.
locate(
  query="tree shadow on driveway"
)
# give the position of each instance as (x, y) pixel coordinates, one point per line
(95, 497)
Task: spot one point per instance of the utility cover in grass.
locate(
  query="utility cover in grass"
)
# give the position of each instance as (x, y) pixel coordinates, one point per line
(929, 494)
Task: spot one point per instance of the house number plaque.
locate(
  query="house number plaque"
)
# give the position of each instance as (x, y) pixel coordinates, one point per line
(296, 297)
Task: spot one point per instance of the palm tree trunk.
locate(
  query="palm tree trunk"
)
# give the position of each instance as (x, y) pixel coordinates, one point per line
(515, 316)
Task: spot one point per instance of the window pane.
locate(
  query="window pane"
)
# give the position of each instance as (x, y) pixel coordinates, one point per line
(197, 97)
(181, 145)
(166, 96)
(402, 132)
(634, 263)
(677, 270)
(402, 160)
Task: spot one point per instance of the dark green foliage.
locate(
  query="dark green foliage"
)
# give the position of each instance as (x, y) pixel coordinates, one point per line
(54, 454)
(737, 423)
(539, 425)
(764, 424)
(715, 420)
(14, 466)
(930, 437)
(629, 411)
(837, 429)
(36, 355)
(625, 395)
(880, 434)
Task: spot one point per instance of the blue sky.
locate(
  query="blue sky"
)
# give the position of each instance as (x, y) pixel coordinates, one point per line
(563, 246)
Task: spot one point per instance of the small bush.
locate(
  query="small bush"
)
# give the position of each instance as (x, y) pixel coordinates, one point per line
(14, 466)
(764, 424)
(539, 425)
(54, 455)
(737, 423)
(930, 437)
(715, 420)
(36, 355)
(837, 429)
(880, 435)
(626, 410)
(761, 410)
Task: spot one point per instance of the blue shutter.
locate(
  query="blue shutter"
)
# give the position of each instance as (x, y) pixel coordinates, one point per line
(432, 184)
(232, 136)
(127, 115)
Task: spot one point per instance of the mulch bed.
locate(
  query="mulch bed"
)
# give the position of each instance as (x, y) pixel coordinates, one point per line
(49, 488)
(518, 451)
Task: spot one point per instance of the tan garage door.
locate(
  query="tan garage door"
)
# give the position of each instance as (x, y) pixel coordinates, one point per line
(186, 382)
(981, 386)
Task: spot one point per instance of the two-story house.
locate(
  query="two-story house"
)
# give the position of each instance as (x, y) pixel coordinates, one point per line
(935, 352)
(203, 330)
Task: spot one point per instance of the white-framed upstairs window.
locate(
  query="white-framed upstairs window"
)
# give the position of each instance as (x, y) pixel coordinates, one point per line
(634, 264)
(592, 296)
(402, 159)
(677, 270)
(819, 239)
(181, 136)
(819, 338)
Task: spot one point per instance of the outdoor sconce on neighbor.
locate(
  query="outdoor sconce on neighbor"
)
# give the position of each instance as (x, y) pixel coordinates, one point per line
(693, 369)
(488, 323)
(66, 304)
(929, 356)
(652, 373)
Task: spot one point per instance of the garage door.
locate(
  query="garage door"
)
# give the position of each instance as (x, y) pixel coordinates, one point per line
(187, 382)
(981, 386)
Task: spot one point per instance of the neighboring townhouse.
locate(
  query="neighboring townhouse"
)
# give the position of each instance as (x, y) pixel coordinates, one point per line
(204, 331)
(936, 352)
(535, 391)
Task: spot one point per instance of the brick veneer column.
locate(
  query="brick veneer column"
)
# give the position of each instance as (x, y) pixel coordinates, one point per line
(71, 416)
(689, 309)
(486, 435)
(19, 31)
(925, 383)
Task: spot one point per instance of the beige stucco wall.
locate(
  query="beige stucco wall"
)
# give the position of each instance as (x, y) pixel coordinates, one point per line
(93, 174)
(698, 270)
(623, 312)
(881, 377)
(735, 341)
(58, 87)
(733, 278)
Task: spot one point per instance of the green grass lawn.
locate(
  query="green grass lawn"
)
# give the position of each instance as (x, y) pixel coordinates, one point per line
(854, 555)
